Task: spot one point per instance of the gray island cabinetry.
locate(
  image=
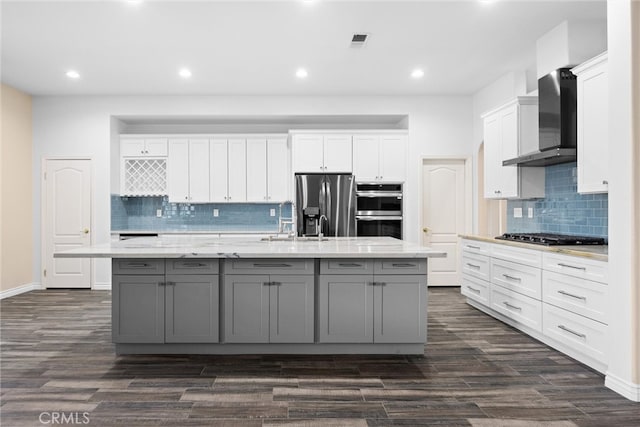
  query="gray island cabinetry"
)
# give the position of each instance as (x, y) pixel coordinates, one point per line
(158, 301)
(373, 301)
(269, 300)
(191, 295)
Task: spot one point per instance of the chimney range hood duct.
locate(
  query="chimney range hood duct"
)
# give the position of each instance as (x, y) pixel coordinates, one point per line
(557, 117)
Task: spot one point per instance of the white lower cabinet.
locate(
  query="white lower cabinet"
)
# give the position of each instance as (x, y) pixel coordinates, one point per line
(556, 298)
(372, 308)
(575, 333)
(522, 309)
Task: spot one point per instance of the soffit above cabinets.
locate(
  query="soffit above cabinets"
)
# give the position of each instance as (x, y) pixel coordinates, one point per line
(257, 123)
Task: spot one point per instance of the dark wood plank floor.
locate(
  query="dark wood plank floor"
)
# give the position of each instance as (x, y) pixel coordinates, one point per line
(57, 357)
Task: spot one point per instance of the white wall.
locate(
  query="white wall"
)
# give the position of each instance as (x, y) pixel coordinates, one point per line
(624, 361)
(74, 126)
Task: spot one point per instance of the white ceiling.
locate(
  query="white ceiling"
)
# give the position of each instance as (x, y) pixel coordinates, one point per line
(254, 48)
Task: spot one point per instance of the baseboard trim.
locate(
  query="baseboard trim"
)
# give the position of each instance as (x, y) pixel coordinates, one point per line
(625, 388)
(106, 286)
(19, 290)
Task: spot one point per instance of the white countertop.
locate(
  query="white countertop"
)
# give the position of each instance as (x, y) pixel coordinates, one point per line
(253, 247)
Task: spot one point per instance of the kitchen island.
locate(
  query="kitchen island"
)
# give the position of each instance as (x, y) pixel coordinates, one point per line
(200, 295)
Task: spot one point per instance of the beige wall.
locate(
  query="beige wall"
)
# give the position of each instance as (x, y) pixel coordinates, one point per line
(16, 236)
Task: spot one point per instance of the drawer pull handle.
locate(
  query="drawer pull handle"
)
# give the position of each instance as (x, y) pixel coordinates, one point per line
(578, 334)
(138, 265)
(349, 264)
(473, 266)
(572, 295)
(403, 265)
(473, 247)
(194, 264)
(271, 265)
(170, 283)
(477, 291)
(517, 279)
(512, 306)
(561, 264)
(276, 283)
(378, 284)
(266, 283)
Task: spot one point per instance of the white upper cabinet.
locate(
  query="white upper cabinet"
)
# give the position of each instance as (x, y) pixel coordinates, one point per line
(237, 170)
(188, 171)
(268, 173)
(509, 131)
(278, 170)
(380, 157)
(256, 169)
(218, 179)
(322, 153)
(337, 153)
(143, 147)
(593, 125)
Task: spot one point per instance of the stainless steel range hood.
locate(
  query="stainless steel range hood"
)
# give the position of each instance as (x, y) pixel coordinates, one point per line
(544, 158)
(557, 122)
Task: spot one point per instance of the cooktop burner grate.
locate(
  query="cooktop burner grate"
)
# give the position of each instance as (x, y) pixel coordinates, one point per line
(549, 239)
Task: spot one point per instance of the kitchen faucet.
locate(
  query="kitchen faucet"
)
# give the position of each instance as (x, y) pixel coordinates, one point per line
(320, 225)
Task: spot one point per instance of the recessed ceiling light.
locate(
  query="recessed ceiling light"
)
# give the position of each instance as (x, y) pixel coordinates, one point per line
(73, 74)
(417, 73)
(185, 73)
(301, 73)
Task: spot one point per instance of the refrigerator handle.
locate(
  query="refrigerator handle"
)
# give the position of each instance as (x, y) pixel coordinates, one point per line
(328, 211)
(323, 197)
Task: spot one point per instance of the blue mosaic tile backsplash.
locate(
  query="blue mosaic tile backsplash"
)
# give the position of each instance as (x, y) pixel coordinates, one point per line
(562, 210)
(140, 214)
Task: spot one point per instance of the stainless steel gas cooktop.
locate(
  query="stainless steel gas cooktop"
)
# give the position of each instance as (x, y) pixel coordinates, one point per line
(551, 239)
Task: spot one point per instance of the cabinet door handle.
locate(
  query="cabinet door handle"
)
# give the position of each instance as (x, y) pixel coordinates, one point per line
(266, 283)
(473, 266)
(255, 264)
(349, 264)
(578, 334)
(561, 264)
(137, 265)
(605, 182)
(194, 264)
(403, 265)
(572, 295)
(276, 283)
(517, 279)
(477, 291)
(170, 283)
(473, 247)
(512, 306)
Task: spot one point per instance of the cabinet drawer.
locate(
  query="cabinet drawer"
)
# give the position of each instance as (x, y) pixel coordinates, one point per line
(137, 266)
(583, 268)
(579, 296)
(530, 257)
(400, 266)
(517, 277)
(475, 247)
(193, 266)
(269, 266)
(346, 266)
(584, 335)
(519, 308)
(475, 289)
(477, 265)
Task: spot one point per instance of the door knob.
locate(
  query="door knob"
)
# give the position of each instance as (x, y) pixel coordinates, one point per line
(426, 230)
(85, 231)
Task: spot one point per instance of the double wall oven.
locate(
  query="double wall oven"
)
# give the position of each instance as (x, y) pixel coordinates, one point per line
(379, 209)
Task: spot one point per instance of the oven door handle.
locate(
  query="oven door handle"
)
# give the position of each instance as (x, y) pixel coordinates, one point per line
(378, 194)
(378, 218)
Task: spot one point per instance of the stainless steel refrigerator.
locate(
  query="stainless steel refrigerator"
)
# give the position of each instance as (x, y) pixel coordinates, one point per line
(320, 195)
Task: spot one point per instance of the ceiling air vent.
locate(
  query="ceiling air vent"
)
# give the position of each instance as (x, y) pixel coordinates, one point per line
(359, 39)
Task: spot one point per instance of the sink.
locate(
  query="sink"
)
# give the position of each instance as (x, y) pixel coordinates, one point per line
(294, 239)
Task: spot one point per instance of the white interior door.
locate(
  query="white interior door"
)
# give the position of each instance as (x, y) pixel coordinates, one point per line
(67, 222)
(446, 214)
